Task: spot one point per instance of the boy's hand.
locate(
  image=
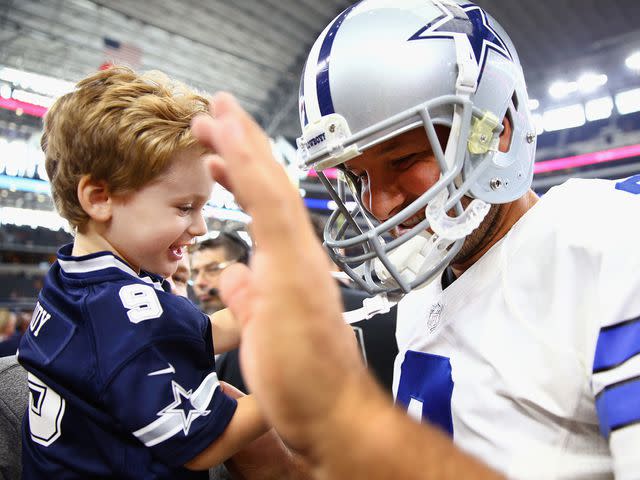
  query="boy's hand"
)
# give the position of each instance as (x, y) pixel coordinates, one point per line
(266, 457)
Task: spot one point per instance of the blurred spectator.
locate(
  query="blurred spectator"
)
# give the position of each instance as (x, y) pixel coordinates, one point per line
(27, 236)
(7, 323)
(15, 286)
(208, 259)
(179, 281)
(9, 337)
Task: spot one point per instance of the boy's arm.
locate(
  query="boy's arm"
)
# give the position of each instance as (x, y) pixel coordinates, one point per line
(246, 425)
(266, 457)
(225, 330)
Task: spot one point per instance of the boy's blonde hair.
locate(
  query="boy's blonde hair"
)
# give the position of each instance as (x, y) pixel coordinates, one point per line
(118, 127)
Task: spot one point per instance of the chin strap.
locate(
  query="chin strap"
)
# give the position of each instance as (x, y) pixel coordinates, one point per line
(370, 307)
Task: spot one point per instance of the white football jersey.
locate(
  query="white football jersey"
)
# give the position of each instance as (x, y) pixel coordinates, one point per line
(531, 359)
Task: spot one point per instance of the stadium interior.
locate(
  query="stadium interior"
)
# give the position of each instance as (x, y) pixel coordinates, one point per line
(582, 66)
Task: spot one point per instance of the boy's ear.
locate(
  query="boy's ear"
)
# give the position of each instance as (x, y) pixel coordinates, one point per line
(95, 198)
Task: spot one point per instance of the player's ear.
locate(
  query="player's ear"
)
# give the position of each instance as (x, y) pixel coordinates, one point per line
(95, 198)
(505, 136)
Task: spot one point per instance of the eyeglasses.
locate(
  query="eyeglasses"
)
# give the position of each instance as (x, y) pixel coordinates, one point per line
(211, 270)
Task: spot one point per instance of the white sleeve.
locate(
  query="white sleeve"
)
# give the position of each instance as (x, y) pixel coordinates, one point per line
(616, 363)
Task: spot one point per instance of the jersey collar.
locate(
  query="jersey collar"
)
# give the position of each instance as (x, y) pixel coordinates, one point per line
(99, 261)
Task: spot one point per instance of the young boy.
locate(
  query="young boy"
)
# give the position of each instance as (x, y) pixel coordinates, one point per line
(121, 373)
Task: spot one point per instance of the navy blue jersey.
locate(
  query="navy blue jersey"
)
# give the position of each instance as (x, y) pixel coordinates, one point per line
(122, 380)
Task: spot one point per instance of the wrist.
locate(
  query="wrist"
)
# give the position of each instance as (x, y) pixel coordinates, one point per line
(362, 417)
(365, 425)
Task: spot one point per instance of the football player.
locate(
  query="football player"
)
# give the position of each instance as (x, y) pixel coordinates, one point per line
(122, 380)
(519, 318)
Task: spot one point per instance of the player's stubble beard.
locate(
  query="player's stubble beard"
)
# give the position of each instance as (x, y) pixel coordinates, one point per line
(479, 237)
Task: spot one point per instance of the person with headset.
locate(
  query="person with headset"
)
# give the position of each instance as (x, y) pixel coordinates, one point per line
(208, 259)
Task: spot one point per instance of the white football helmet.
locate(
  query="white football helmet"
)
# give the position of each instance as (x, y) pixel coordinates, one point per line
(384, 67)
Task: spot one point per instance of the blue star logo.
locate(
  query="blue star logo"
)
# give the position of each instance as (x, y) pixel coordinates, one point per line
(183, 407)
(470, 21)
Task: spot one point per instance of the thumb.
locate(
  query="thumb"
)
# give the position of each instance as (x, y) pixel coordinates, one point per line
(232, 391)
(236, 291)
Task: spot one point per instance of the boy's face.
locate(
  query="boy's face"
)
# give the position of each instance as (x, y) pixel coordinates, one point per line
(151, 228)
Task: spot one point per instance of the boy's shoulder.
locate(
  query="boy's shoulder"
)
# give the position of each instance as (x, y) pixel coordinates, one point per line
(96, 312)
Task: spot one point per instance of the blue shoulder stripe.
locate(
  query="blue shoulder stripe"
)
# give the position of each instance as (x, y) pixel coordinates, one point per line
(618, 406)
(617, 344)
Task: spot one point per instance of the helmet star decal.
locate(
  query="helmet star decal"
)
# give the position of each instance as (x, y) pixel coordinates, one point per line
(470, 21)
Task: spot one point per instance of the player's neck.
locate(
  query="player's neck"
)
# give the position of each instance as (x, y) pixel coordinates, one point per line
(511, 213)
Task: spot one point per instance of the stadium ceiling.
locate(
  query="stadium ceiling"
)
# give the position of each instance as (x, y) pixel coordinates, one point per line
(256, 48)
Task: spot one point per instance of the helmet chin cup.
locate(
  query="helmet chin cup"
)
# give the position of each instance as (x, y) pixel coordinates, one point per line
(453, 228)
(414, 257)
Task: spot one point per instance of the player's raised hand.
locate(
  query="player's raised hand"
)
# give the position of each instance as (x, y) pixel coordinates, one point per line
(296, 355)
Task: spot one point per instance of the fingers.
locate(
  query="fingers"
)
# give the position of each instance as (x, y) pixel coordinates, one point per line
(235, 291)
(232, 391)
(218, 172)
(249, 170)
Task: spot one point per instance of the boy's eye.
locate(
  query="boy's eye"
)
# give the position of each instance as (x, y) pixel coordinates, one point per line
(185, 208)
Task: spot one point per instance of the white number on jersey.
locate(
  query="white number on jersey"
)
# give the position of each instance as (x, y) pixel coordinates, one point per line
(141, 302)
(46, 409)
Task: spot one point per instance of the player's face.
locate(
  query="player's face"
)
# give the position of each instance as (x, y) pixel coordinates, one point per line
(151, 228)
(395, 173)
(206, 276)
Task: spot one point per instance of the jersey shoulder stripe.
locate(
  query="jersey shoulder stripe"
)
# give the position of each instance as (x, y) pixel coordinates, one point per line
(617, 344)
(618, 405)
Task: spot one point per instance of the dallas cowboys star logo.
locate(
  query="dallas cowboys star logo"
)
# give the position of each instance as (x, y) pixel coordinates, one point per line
(470, 21)
(183, 407)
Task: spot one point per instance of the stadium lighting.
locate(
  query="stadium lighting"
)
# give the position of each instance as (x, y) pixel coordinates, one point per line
(538, 123)
(533, 104)
(32, 218)
(628, 101)
(599, 108)
(331, 205)
(5, 91)
(563, 118)
(33, 98)
(633, 61)
(53, 87)
(225, 214)
(590, 82)
(561, 89)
